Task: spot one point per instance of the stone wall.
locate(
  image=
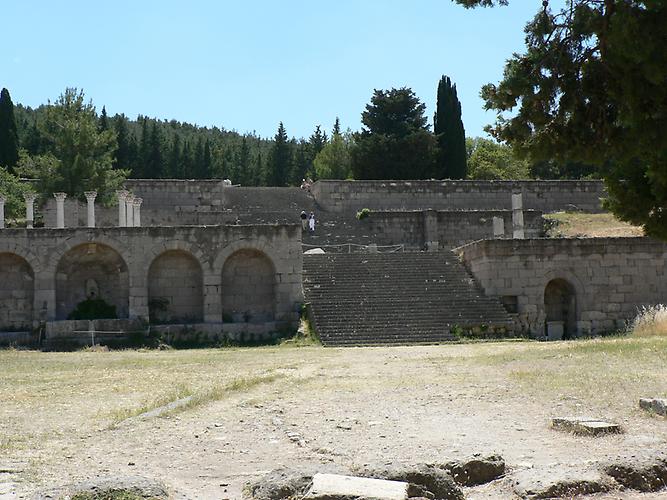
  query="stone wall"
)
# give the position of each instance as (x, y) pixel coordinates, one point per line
(449, 228)
(176, 202)
(47, 272)
(547, 196)
(599, 282)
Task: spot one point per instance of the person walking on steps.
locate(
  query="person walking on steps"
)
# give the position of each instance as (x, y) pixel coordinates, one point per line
(311, 222)
(304, 220)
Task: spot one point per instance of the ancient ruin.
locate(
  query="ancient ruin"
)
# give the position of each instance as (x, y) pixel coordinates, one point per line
(404, 261)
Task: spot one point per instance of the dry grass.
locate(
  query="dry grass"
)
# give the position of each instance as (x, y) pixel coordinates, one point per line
(576, 224)
(650, 321)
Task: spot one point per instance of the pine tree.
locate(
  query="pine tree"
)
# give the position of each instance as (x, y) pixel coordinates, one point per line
(9, 140)
(243, 166)
(122, 157)
(336, 128)
(280, 159)
(174, 162)
(448, 128)
(104, 120)
(154, 164)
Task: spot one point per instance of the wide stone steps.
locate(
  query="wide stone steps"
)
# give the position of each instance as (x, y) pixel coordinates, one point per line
(397, 298)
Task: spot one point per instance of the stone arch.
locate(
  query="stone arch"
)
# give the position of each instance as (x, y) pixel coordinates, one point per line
(17, 291)
(90, 271)
(175, 288)
(248, 287)
(560, 309)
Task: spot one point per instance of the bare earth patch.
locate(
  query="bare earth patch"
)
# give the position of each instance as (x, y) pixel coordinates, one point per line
(576, 224)
(70, 417)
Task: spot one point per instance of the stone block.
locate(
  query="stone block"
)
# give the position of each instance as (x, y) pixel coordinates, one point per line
(333, 486)
(585, 426)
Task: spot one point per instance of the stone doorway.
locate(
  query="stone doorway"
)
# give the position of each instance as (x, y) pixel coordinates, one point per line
(560, 307)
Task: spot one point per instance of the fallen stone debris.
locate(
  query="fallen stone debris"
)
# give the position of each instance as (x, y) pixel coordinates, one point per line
(585, 426)
(640, 473)
(335, 487)
(559, 482)
(104, 487)
(475, 470)
(654, 405)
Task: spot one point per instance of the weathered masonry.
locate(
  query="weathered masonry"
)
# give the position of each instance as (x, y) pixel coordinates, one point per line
(220, 278)
(570, 287)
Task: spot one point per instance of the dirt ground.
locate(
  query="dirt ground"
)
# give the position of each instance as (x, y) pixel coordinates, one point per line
(67, 417)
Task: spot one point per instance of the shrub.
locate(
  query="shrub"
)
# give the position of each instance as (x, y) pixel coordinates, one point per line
(93, 309)
(363, 213)
(650, 320)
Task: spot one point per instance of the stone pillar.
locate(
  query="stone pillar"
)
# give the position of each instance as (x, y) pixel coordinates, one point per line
(129, 210)
(122, 218)
(430, 230)
(29, 209)
(60, 209)
(2, 212)
(90, 198)
(517, 216)
(136, 208)
(498, 227)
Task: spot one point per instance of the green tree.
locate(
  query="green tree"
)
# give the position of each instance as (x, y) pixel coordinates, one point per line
(9, 139)
(448, 128)
(590, 88)
(395, 142)
(80, 157)
(490, 160)
(333, 162)
(104, 120)
(280, 159)
(244, 166)
(12, 189)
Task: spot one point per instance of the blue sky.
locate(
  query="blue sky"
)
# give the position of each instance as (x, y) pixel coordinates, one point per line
(246, 65)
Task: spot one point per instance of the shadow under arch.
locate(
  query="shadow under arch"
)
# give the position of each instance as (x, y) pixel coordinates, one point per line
(17, 292)
(91, 271)
(175, 288)
(560, 309)
(248, 287)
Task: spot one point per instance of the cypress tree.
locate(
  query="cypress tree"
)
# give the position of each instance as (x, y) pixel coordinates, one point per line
(336, 128)
(448, 128)
(122, 154)
(174, 163)
(9, 140)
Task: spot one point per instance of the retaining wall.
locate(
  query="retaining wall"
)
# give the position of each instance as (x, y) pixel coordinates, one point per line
(547, 196)
(610, 277)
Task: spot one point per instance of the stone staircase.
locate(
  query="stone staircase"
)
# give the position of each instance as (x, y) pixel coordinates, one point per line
(397, 298)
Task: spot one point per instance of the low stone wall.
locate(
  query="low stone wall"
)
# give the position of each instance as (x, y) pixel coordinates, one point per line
(605, 280)
(173, 273)
(449, 228)
(547, 196)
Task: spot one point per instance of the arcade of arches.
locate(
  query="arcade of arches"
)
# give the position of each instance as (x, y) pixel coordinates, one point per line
(16, 292)
(248, 287)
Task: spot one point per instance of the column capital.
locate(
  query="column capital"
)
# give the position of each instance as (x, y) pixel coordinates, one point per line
(129, 197)
(90, 195)
(29, 197)
(137, 201)
(122, 194)
(60, 196)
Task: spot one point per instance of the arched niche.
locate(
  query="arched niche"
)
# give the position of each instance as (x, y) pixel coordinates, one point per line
(91, 271)
(17, 291)
(560, 308)
(248, 287)
(175, 288)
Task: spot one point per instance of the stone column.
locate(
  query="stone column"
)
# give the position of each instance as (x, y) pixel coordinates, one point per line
(122, 218)
(498, 227)
(60, 209)
(29, 209)
(129, 210)
(2, 212)
(90, 198)
(136, 208)
(517, 216)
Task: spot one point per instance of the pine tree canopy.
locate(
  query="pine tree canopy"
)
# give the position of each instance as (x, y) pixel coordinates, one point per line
(591, 87)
